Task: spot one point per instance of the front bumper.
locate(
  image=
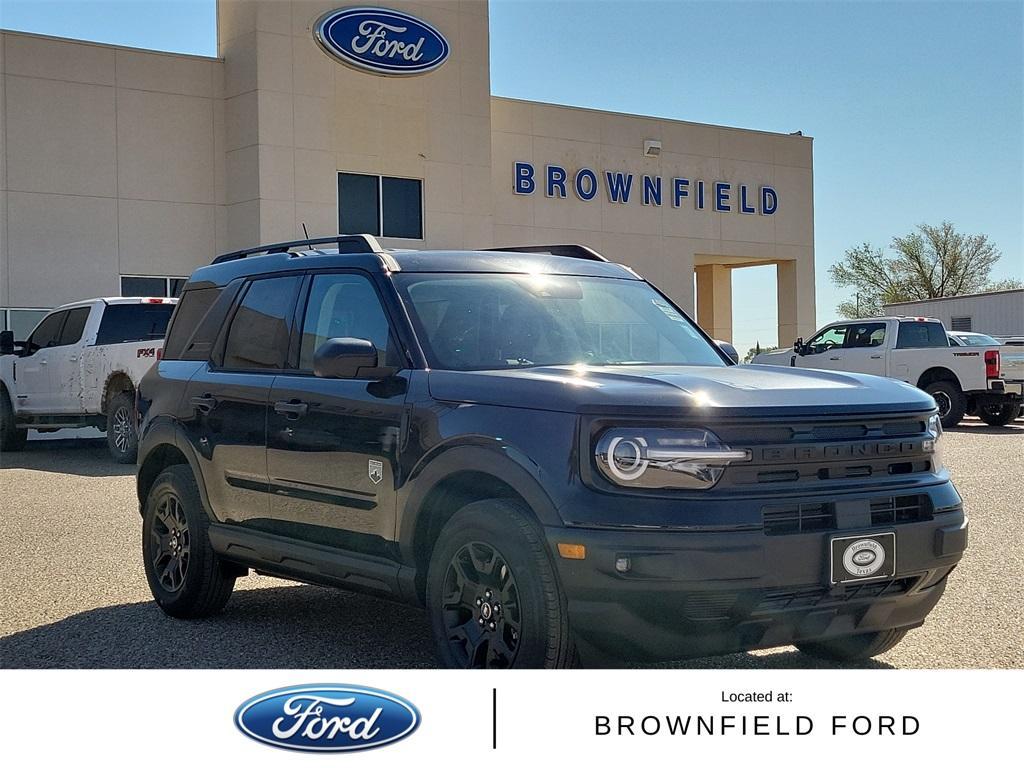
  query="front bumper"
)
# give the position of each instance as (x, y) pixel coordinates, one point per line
(697, 593)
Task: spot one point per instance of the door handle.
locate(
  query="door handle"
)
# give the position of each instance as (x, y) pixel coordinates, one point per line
(876, 357)
(204, 404)
(44, 361)
(835, 358)
(291, 409)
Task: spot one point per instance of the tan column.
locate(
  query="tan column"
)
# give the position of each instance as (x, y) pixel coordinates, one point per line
(714, 300)
(795, 288)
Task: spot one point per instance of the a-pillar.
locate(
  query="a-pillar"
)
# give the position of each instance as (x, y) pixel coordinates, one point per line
(714, 300)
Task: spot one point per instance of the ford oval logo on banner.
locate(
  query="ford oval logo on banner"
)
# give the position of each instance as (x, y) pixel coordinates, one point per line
(327, 718)
(381, 40)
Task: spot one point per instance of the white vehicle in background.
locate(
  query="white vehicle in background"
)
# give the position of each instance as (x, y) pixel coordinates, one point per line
(962, 379)
(79, 368)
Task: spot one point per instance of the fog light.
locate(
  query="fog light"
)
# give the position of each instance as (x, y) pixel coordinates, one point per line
(622, 564)
(572, 551)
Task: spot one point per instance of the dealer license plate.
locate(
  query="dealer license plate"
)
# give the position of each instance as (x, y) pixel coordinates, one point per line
(860, 558)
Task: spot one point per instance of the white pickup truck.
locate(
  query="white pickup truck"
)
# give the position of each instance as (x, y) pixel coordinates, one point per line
(79, 368)
(915, 350)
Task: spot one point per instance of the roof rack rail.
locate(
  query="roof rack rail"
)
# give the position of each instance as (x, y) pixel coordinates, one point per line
(345, 243)
(573, 251)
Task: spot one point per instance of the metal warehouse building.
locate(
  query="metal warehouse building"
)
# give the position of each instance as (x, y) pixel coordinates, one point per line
(998, 313)
(121, 170)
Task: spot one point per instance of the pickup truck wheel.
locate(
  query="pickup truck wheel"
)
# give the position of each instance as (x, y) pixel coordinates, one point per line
(122, 439)
(950, 400)
(492, 592)
(999, 415)
(854, 647)
(11, 438)
(185, 575)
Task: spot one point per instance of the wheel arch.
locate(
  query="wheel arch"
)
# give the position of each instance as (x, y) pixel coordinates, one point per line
(160, 447)
(937, 373)
(458, 476)
(116, 383)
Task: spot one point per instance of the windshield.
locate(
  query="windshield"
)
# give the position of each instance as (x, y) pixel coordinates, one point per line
(485, 322)
(976, 340)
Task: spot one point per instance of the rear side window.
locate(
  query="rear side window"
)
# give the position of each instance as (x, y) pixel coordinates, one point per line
(916, 335)
(133, 322)
(74, 326)
(865, 335)
(192, 309)
(259, 333)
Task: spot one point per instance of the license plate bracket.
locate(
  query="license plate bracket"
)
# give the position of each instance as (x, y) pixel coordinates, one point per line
(864, 557)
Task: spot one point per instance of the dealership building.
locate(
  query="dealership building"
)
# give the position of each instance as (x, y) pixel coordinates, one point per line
(122, 170)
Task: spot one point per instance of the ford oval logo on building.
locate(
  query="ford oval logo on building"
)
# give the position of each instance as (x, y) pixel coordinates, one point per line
(327, 718)
(381, 40)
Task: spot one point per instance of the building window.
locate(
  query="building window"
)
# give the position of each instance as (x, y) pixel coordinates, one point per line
(384, 206)
(146, 285)
(21, 321)
(960, 324)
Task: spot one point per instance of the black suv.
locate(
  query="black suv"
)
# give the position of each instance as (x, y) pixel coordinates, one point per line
(542, 450)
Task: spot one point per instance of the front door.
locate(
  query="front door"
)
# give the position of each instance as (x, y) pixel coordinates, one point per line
(34, 378)
(824, 351)
(332, 444)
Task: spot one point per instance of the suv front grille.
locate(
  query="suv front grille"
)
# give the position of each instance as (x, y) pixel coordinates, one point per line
(819, 597)
(785, 520)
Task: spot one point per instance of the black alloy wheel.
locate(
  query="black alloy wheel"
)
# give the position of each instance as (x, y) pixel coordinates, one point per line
(170, 546)
(481, 608)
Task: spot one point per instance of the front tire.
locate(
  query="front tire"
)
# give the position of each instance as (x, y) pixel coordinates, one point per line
(492, 592)
(187, 578)
(950, 401)
(122, 439)
(854, 647)
(999, 415)
(11, 438)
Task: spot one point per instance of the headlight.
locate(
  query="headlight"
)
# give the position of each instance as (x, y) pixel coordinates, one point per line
(933, 444)
(664, 458)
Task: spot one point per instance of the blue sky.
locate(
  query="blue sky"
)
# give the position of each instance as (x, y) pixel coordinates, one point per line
(915, 107)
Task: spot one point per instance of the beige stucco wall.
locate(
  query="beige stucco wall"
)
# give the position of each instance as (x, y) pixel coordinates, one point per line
(664, 242)
(295, 117)
(110, 167)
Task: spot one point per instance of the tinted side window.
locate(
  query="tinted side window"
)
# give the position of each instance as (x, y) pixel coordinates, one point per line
(74, 326)
(865, 335)
(918, 335)
(258, 337)
(133, 322)
(47, 332)
(191, 310)
(342, 306)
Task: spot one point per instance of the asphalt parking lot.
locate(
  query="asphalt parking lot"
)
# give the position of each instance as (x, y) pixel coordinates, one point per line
(73, 592)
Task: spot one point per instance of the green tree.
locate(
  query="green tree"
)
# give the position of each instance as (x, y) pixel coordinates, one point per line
(930, 262)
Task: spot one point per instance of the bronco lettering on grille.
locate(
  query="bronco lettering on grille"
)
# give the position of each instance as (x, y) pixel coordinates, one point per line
(838, 451)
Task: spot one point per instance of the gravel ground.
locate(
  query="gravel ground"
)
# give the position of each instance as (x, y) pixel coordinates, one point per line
(73, 592)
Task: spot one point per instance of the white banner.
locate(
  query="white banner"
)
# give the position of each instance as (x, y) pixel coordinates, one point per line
(608, 718)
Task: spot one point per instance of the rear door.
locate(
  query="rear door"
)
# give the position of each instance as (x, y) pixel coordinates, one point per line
(34, 379)
(333, 443)
(224, 411)
(863, 350)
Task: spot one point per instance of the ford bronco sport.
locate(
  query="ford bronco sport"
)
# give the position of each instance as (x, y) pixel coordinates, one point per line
(542, 450)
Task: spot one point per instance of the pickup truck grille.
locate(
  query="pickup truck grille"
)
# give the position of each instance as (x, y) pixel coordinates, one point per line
(815, 452)
(786, 520)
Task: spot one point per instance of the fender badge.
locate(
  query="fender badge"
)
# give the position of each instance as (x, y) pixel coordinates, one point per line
(376, 471)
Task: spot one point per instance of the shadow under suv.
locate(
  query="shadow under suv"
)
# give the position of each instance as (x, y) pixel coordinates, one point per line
(540, 449)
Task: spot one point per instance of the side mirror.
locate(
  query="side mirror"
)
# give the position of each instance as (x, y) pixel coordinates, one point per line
(798, 345)
(344, 358)
(730, 351)
(6, 342)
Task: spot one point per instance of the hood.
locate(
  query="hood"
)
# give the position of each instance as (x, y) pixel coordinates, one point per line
(775, 357)
(726, 391)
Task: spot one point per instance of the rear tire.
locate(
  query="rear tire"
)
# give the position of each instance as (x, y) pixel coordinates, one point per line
(854, 647)
(187, 578)
(950, 400)
(11, 438)
(122, 439)
(999, 415)
(492, 592)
